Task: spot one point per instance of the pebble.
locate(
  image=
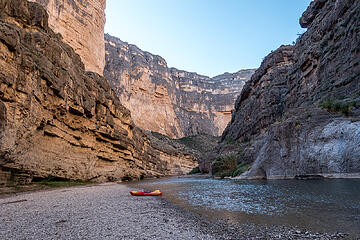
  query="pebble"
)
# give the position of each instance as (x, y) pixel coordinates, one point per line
(110, 212)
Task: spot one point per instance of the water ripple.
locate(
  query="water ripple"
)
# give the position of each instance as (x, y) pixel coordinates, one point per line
(327, 204)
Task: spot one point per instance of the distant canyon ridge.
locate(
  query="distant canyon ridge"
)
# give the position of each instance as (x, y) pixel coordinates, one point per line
(167, 100)
(161, 99)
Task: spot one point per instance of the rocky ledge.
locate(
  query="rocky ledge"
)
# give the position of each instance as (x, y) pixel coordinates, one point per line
(58, 120)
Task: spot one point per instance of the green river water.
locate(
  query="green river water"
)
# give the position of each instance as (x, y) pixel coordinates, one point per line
(331, 205)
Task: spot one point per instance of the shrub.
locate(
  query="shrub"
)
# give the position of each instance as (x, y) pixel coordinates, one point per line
(229, 140)
(240, 169)
(201, 142)
(158, 135)
(195, 170)
(334, 106)
(327, 103)
(224, 165)
(246, 139)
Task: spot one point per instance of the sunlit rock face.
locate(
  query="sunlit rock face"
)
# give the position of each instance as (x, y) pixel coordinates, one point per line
(59, 121)
(81, 24)
(299, 113)
(167, 100)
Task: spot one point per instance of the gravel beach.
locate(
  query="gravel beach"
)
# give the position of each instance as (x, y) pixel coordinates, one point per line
(108, 211)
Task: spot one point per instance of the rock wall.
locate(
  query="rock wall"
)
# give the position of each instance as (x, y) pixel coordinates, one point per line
(81, 24)
(199, 146)
(299, 113)
(58, 120)
(176, 103)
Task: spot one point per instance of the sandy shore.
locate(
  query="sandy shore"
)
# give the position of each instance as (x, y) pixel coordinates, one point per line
(108, 211)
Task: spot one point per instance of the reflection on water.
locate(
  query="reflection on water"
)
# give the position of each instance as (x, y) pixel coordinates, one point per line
(319, 205)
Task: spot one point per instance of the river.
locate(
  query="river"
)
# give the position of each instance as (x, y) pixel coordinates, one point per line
(331, 205)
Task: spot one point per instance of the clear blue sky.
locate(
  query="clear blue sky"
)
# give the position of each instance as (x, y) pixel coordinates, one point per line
(209, 37)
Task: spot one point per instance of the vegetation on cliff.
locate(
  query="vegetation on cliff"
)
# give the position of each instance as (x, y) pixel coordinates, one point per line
(301, 107)
(200, 147)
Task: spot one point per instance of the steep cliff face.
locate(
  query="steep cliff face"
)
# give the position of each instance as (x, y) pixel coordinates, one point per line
(81, 24)
(58, 120)
(176, 103)
(299, 113)
(199, 146)
(203, 104)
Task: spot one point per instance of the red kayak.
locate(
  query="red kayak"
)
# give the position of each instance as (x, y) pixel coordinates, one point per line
(142, 193)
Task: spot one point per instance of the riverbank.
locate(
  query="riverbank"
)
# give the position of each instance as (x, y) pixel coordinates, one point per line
(301, 177)
(107, 211)
(8, 191)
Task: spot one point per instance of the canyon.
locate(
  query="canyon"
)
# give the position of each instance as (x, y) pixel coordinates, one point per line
(299, 115)
(177, 103)
(59, 121)
(79, 107)
(77, 104)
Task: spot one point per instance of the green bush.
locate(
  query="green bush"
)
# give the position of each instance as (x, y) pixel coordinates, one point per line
(327, 103)
(335, 106)
(224, 165)
(195, 170)
(246, 139)
(241, 168)
(158, 135)
(190, 142)
(229, 140)
(201, 142)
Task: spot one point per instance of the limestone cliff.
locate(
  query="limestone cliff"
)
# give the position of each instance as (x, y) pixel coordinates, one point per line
(81, 24)
(58, 120)
(199, 146)
(176, 103)
(299, 113)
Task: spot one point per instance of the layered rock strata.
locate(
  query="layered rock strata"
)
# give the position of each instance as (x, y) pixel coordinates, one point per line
(199, 146)
(81, 24)
(299, 113)
(175, 102)
(58, 120)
